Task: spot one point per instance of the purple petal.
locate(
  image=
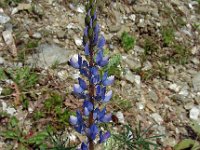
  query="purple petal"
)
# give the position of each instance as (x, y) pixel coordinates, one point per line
(105, 75)
(86, 111)
(96, 29)
(108, 81)
(95, 15)
(79, 61)
(87, 50)
(91, 22)
(101, 42)
(93, 131)
(74, 61)
(107, 118)
(95, 114)
(82, 84)
(77, 89)
(86, 31)
(104, 61)
(95, 79)
(107, 97)
(99, 56)
(73, 120)
(104, 137)
(84, 146)
(94, 71)
(88, 105)
(96, 34)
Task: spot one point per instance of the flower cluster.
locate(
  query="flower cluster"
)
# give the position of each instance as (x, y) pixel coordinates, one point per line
(92, 92)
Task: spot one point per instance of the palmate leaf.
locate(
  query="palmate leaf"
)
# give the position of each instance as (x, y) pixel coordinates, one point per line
(136, 139)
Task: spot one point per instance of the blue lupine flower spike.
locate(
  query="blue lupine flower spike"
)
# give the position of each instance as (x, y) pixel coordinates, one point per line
(92, 88)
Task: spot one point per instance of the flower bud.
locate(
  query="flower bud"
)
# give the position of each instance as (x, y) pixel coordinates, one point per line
(90, 33)
(92, 1)
(92, 11)
(87, 7)
(87, 20)
(94, 24)
(85, 39)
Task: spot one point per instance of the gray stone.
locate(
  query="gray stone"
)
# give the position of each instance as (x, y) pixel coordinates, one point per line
(157, 118)
(2, 61)
(49, 54)
(129, 76)
(132, 62)
(4, 18)
(196, 82)
(114, 28)
(37, 35)
(61, 34)
(184, 90)
(194, 113)
(153, 96)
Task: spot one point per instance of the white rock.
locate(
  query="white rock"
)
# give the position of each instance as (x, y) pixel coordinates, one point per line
(4, 18)
(72, 26)
(194, 113)
(195, 49)
(9, 40)
(76, 75)
(1, 89)
(184, 91)
(4, 105)
(80, 9)
(157, 118)
(137, 79)
(120, 116)
(78, 41)
(174, 87)
(30, 110)
(1, 61)
(10, 111)
(195, 61)
(63, 74)
(132, 17)
(37, 35)
(140, 105)
(72, 137)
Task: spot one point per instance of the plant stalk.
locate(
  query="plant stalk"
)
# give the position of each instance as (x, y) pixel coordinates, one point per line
(91, 94)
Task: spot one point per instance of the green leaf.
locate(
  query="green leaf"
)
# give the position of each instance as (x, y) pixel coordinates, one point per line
(195, 127)
(10, 135)
(39, 138)
(185, 144)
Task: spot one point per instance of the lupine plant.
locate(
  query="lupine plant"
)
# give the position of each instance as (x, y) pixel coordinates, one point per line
(92, 86)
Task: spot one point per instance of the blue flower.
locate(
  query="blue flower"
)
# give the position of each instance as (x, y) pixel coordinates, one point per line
(76, 61)
(106, 81)
(95, 92)
(100, 59)
(101, 116)
(88, 107)
(78, 122)
(92, 131)
(78, 89)
(82, 84)
(107, 96)
(87, 50)
(101, 42)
